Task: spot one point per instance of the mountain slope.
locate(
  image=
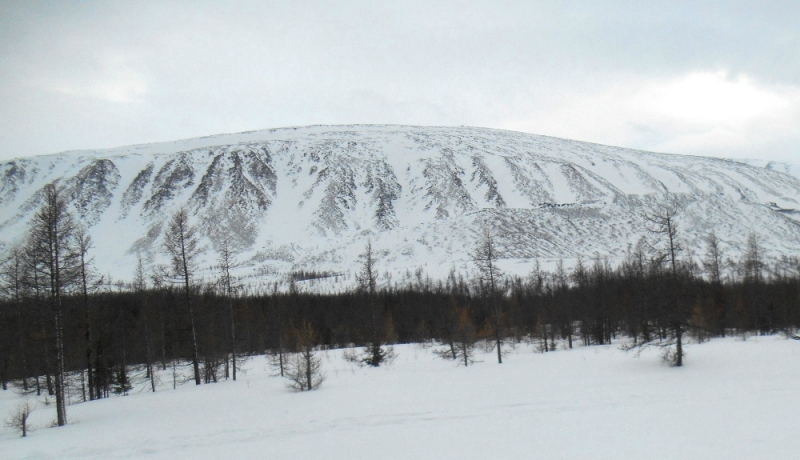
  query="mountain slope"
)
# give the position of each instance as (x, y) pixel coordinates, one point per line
(310, 198)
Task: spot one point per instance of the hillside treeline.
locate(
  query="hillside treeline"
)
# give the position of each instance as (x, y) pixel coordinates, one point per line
(591, 304)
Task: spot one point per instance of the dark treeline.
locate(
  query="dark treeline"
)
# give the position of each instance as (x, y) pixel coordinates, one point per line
(592, 304)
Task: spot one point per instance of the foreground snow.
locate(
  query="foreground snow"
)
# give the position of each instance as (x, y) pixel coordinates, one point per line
(734, 399)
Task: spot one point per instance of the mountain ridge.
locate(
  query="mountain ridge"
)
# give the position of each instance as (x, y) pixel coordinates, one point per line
(309, 198)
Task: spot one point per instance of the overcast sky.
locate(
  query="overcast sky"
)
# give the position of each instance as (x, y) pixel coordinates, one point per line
(706, 78)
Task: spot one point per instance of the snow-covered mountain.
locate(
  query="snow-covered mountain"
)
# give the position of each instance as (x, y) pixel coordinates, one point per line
(310, 198)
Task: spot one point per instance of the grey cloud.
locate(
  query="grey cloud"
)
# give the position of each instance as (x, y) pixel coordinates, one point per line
(99, 74)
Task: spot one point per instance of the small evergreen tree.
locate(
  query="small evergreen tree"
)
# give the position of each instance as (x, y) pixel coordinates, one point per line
(122, 382)
(375, 353)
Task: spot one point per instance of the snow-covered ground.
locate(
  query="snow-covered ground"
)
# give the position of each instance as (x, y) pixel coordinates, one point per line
(733, 399)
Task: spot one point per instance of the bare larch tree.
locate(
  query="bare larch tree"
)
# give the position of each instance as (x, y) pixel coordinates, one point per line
(713, 260)
(87, 284)
(465, 335)
(56, 260)
(662, 224)
(19, 417)
(304, 368)
(227, 261)
(182, 246)
(485, 258)
(140, 287)
(753, 259)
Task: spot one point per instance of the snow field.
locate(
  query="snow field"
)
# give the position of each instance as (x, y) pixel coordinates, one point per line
(733, 399)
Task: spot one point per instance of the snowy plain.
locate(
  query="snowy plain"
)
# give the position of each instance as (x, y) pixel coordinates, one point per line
(733, 399)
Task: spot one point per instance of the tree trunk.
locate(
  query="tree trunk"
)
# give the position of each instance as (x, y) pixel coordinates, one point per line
(569, 336)
(163, 341)
(21, 342)
(499, 343)
(233, 337)
(61, 404)
(309, 374)
(4, 373)
(195, 358)
(148, 357)
(88, 341)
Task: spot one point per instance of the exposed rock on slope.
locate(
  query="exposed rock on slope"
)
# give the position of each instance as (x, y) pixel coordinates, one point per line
(310, 198)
